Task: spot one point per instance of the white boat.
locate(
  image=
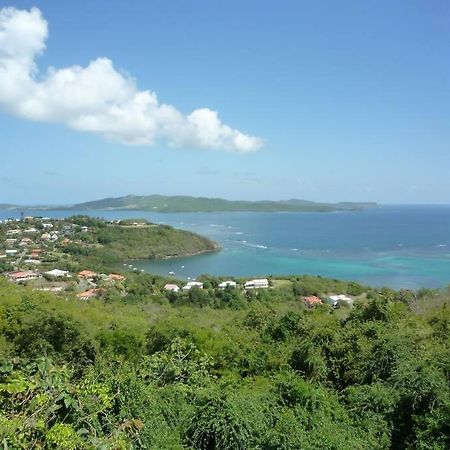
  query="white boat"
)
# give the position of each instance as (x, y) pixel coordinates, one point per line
(171, 273)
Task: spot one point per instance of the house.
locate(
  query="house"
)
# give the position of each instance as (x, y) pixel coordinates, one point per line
(22, 276)
(229, 283)
(116, 277)
(87, 294)
(84, 229)
(45, 236)
(25, 241)
(11, 241)
(35, 253)
(312, 301)
(11, 252)
(87, 274)
(171, 287)
(47, 225)
(261, 283)
(32, 261)
(336, 299)
(192, 284)
(13, 232)
(57, 273)
(30, 230)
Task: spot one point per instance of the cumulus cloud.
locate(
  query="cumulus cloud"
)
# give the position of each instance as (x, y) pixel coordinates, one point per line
(97, 98)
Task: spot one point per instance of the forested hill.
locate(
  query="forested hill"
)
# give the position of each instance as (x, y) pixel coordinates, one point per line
(224, 369)
(161, 203)
(140, 239)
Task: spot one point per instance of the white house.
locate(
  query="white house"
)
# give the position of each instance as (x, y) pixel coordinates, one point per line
(228, 283)
(58, 273)
(171, 287)
(335, 299)
(11, 252)
(13, 232)
(47, 225)
(192, 284)
(258, 283)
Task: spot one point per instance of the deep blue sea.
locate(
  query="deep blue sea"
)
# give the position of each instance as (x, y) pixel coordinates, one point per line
(397, 246)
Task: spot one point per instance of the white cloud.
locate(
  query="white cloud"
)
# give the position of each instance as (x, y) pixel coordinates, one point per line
(97, 98)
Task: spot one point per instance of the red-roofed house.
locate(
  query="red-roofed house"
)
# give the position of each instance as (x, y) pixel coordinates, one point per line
(312, 301)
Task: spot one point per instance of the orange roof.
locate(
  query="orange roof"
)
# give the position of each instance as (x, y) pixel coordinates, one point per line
(87, 294)
(22, 274)
(116, 276)
(87, 274)
(313, 300)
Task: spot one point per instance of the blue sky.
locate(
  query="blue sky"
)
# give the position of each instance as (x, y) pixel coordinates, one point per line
(351, 99)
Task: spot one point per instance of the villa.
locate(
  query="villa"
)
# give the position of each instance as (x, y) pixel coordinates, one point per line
(25, 275)
(171, 287)
(87, 274)
(259, 283)
(229, 283)
(192, 284)
(57, 273)
(312, 301)
(335, 299)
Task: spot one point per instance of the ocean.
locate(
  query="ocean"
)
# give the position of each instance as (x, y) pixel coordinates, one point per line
(396, 246)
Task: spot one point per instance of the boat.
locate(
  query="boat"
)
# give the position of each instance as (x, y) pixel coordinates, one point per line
(171, 273)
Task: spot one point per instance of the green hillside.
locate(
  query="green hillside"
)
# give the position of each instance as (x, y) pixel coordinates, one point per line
(161, 203)
(221, 369)
(106, 242)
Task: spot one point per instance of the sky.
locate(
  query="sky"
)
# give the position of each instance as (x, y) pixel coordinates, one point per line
(325, 101)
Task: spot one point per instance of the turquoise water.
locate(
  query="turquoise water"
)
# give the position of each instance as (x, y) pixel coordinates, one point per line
(397, 246)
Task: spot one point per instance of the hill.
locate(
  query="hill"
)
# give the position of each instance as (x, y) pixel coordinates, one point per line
(162, 203)
(185, 203)
(224, 369)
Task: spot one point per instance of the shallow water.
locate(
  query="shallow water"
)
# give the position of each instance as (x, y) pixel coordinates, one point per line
(397, 246)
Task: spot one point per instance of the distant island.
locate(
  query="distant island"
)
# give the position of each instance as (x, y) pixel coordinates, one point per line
(181, 203)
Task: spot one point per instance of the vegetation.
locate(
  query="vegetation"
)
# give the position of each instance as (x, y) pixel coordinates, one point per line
(106, 242)
(221, 369)
(162, 203)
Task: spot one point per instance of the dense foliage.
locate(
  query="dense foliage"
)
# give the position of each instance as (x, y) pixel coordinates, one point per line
(106, 243)
(219, 369)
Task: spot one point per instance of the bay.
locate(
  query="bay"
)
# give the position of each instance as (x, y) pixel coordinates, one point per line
(397, 246)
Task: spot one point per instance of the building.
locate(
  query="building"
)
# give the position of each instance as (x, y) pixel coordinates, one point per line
(171, 287)
(13, 232)
(259, 283)
(192, 284)
(229, 283)
(312, 301)
(116, 277)
(341, 298)
(57, 273)
(11, 252)
(47, 225)
(22, 276)
(87, 274)
(87, 294)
